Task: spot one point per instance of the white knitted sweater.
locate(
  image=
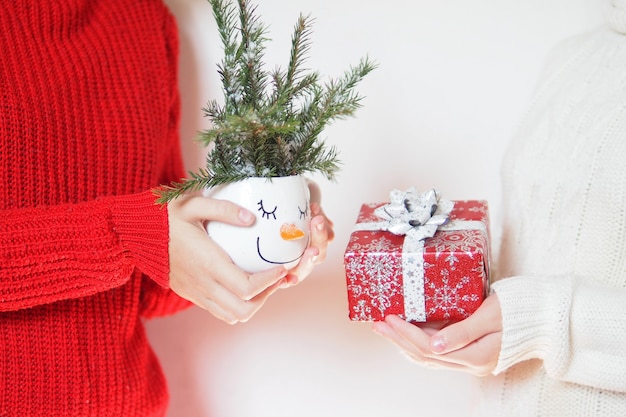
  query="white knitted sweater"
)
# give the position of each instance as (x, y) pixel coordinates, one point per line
(563, 254)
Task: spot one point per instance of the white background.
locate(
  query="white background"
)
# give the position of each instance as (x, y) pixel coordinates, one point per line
(454, 78)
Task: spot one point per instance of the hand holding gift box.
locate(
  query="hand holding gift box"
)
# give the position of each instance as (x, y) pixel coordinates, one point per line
(420, 257)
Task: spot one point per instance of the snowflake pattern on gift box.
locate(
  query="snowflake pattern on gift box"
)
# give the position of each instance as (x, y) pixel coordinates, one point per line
(373, 277)
(455, 241)
(462, 207)
(449, 299)
(362, 311)
(451, 243)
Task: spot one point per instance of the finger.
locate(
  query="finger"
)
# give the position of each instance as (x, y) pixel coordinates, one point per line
(432, 327)
(415, 345)
(314, 254)
(260, 282)
(316, 210)
(304, 268)
(484, 321)
(385, 330)
(433, 363)
(407, 348)
(231, 313)
(407, 336)
(231, 309)
(203, 208)
(193, 270)
(479, 357)
(319, 237)
(430, 331)
(257, 302)
(217, 267)
(218, 312)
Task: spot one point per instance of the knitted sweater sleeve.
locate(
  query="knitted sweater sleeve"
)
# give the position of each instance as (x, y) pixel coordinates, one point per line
(75, 250)
(107, 125)
(574, 325)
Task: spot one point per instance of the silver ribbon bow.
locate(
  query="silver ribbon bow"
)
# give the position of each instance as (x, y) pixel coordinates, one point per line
(419, 215)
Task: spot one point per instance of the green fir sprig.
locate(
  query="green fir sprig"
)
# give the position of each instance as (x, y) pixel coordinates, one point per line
(270, 121)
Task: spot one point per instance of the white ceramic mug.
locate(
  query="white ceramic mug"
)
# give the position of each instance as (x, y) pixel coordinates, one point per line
(280, 233)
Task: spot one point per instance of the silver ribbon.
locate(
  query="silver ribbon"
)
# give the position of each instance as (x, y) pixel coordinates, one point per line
(411, 214)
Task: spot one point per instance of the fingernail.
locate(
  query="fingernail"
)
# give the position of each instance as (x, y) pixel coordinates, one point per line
(314, 254)
(378, 328)
(245, 216)
(291, 279)
(438, 345)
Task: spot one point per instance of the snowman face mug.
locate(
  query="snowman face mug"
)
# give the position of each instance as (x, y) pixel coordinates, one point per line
(280, 233)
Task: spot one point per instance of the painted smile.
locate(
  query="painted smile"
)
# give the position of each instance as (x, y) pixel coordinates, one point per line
(258, 249)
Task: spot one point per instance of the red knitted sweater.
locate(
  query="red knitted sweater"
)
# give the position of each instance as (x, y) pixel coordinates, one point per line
(89, 113)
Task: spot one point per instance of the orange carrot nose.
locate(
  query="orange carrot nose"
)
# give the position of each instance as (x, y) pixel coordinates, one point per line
(289, 231)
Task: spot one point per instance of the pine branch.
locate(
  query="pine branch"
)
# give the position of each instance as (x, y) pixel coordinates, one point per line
(270, 122)
(250, 55)
(225, 17)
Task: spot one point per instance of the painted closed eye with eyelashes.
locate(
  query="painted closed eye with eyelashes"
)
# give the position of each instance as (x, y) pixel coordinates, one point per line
(266, 214)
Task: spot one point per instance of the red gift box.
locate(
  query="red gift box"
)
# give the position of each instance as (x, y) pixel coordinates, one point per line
(445, 277)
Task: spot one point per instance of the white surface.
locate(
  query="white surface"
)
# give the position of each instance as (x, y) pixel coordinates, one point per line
(454, 77)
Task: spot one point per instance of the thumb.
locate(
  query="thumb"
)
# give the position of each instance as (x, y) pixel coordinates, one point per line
(198, 208)
(486, 319)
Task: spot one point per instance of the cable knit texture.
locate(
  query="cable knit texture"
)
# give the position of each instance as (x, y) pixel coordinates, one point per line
(564, 252)
(89, 115)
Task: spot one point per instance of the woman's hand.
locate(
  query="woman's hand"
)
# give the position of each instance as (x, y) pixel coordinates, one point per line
(201, 272)
(321, 232)
(471, 345)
